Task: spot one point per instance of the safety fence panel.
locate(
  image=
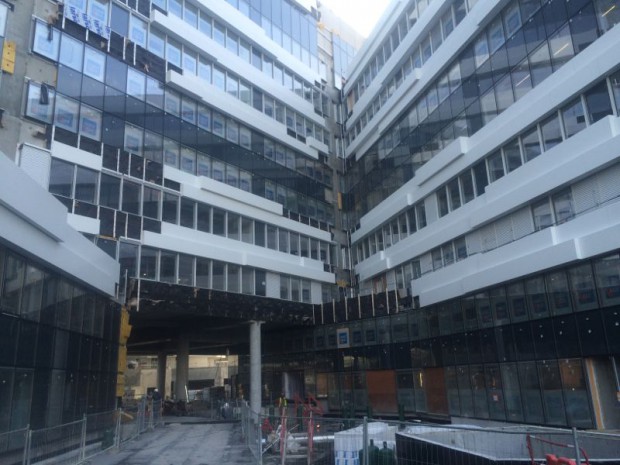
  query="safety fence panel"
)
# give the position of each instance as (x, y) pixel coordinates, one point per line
(64, 443)
(12, 445)
(315, 439)
(101, 432)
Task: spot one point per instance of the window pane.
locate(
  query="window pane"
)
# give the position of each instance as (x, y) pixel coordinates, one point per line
(61, 178)
(563, 206)
(608, 279)
(531, 144)
(496, 166)
(86, 184)
(583, 287)
(574, 118)
(167, 267)
(551, 132)
(543, 217)
(598, 102)
(512, 155)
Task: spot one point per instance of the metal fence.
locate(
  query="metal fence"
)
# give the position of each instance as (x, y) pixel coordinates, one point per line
(76, 442)
(315, 439)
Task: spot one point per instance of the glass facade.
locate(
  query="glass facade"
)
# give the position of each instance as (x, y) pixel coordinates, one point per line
(139, 114)
(514, 353)
(58, 355)
(526, 43)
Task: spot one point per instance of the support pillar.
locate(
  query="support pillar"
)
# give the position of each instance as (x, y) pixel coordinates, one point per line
(255, 366)
(161, 373)
(182, 368)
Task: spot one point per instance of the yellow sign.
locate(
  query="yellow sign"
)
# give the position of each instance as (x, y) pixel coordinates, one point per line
(8, 57)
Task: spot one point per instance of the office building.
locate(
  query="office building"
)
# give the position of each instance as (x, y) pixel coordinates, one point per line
(429, 231)
(58, 320)
(190, 141)
(482, 184)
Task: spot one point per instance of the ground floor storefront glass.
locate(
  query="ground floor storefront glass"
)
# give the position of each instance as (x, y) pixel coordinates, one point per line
(58, 346)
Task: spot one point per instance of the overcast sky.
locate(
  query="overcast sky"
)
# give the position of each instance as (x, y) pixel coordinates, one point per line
(360, 14)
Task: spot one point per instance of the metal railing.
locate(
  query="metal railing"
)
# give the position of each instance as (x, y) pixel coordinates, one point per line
(315, 439)
(78, 441)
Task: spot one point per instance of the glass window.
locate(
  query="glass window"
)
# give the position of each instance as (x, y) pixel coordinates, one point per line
(188, 160)
(171, 153)
(495, 166)
(219, 275)
(131, 197)
(191, 15)
(551, 385)
(176, 7)
(563, 206)
(219, 222)
(598, 102)
(219, 78)
(86, 184)
(67, 113)
(608, 279)
(136, 83)
(467, 185)
(551, 132)
(561, 46)
(137, 30)
(42, 44)
(61, 178)
(71, 52)
(133, 139)
(157, 43)
(170, 208)
(442, 202)
(540, 64)
(94, 64)
(559, 296)
(607, 13)
(583, 287)
(167, 266)
(189, 61)
(150, 202)
(481, 50)
(244, 51)
(531, 144)
(517, 302)
(512, 19)
(480, 176)
(543, 217)
(454, 194)
(496, 35)
(573, 117)
(521, 79)
(512, 155)
(188, 110)
(173, 52)
(148, 263)
(90, 122)
(205, 24)
(154, 92)
(109, 189)
(203, 217)
(504, 94)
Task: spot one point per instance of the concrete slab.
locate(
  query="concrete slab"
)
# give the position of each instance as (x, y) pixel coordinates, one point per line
(183, 442)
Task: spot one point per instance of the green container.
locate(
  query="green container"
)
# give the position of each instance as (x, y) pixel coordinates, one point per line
(108, 439)
(386, 456)
(373, 454)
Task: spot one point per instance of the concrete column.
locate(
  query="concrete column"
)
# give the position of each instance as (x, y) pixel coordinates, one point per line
(182, 368)
(161, 373)
(255, 366)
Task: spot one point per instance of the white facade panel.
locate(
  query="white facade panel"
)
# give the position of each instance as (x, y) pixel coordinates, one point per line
(225, 103)
(34, 221)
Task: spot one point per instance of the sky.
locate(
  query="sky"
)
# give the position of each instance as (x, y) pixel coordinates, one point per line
(360, 14)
